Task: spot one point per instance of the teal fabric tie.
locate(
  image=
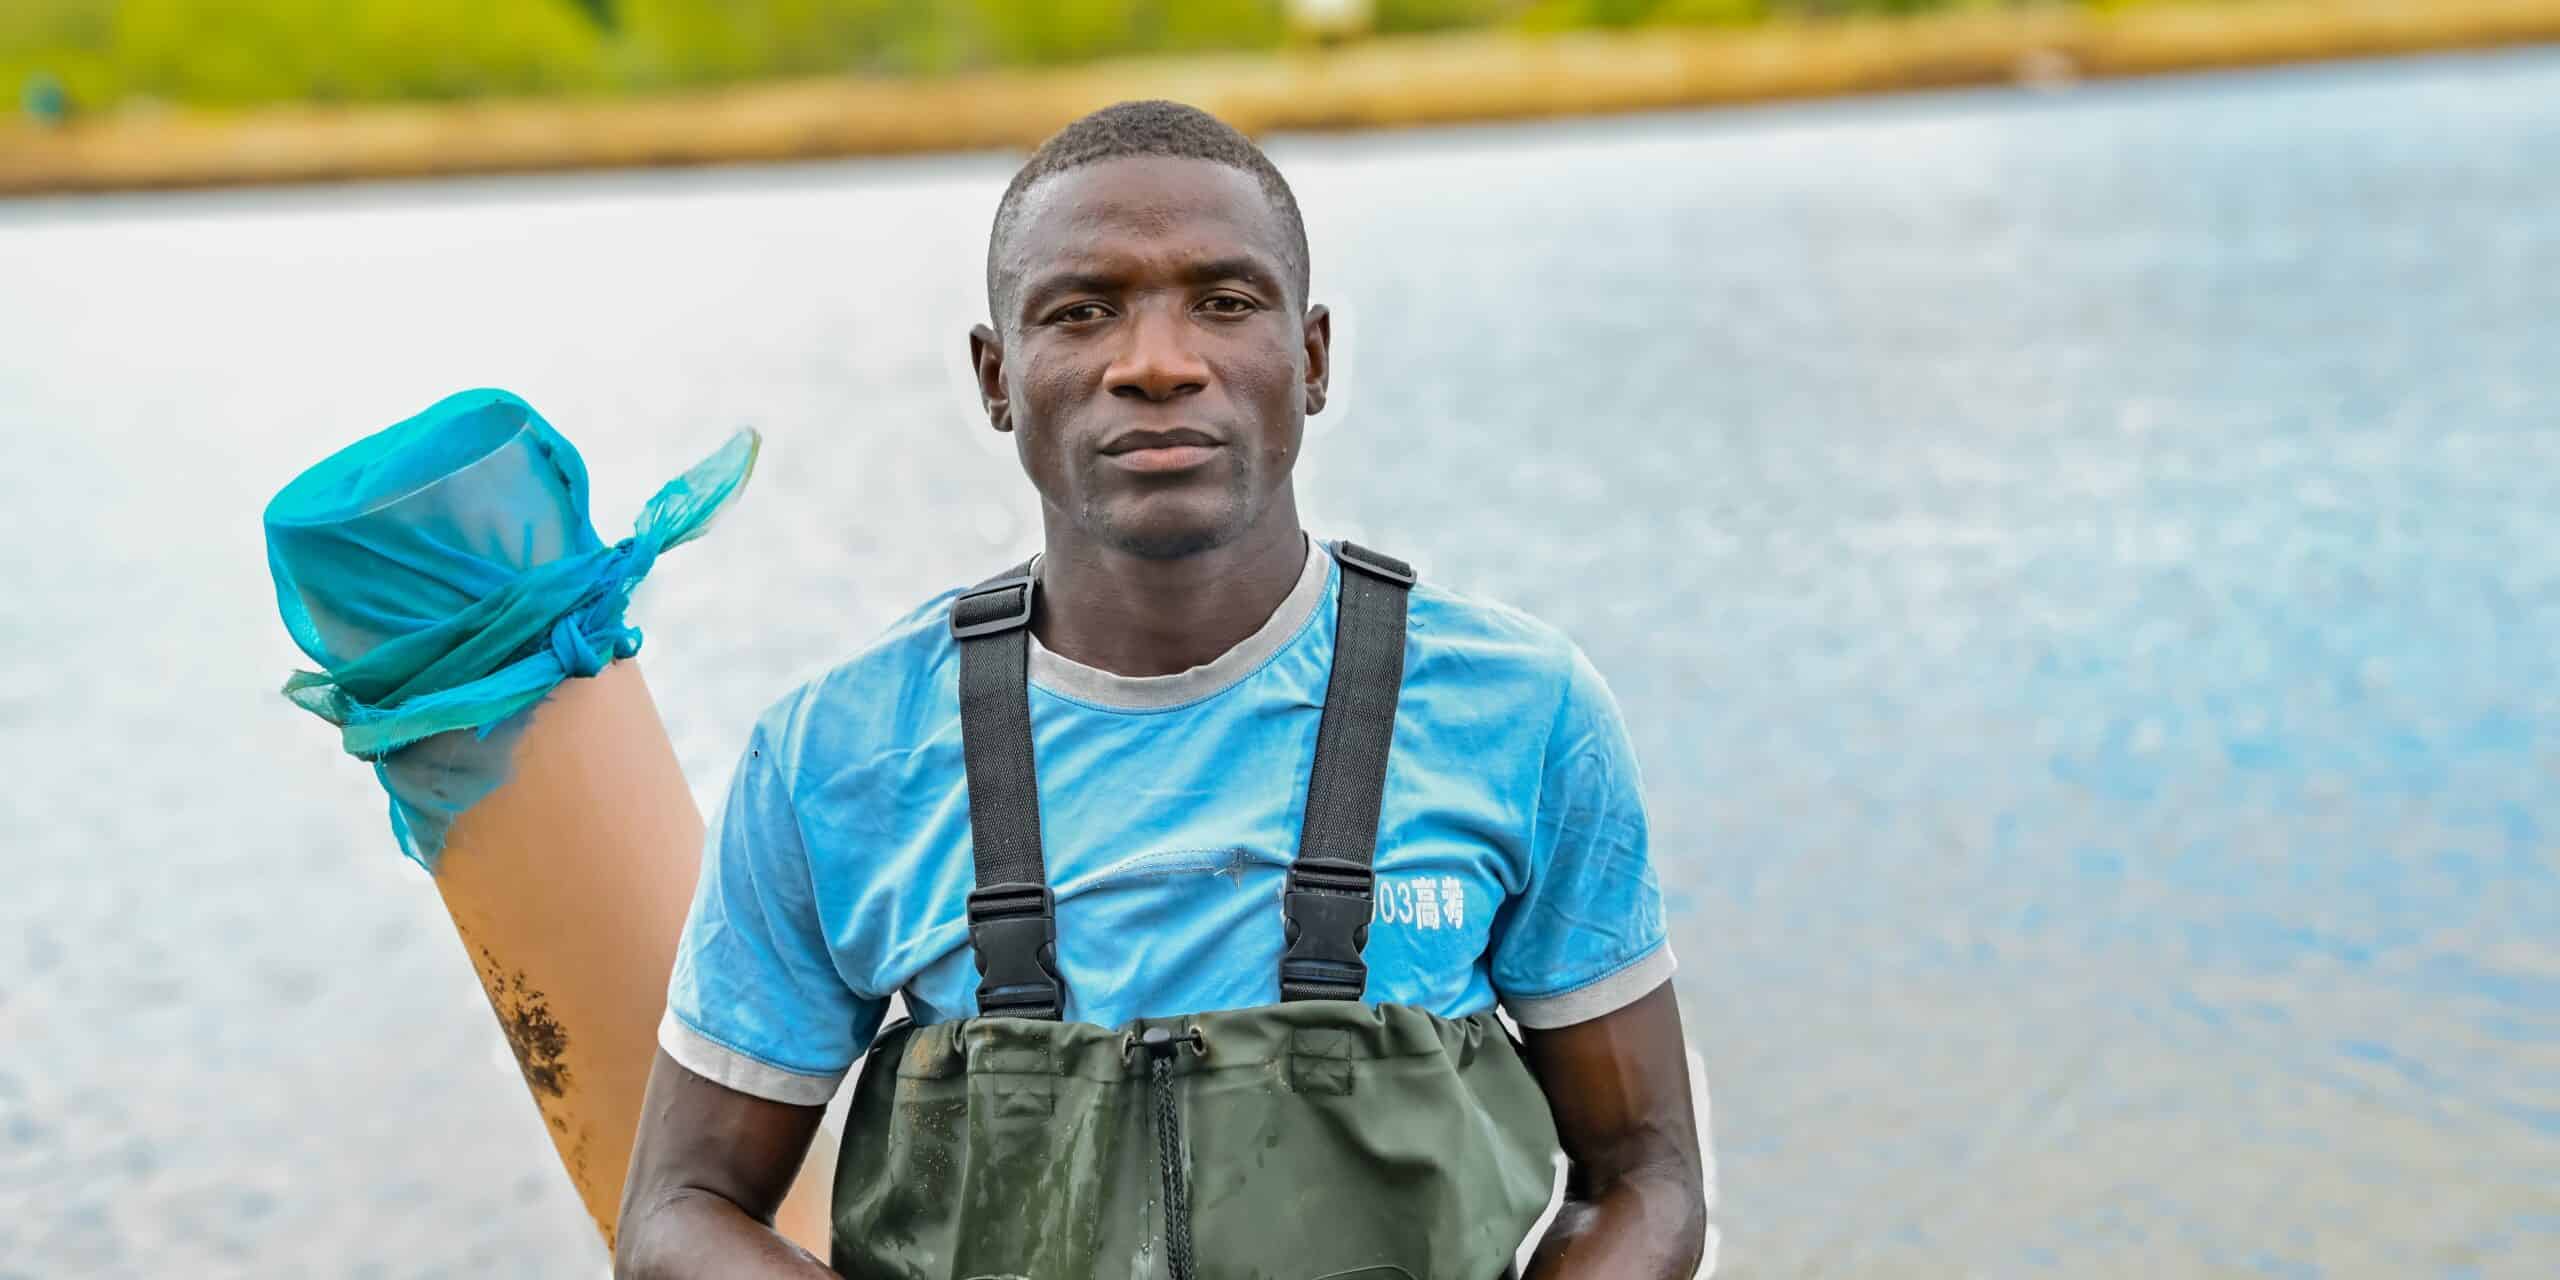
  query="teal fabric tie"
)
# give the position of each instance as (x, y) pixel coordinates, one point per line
(579, 657)
(445, 576)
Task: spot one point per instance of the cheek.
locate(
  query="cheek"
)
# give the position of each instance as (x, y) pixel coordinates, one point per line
(1047, 401)
(1274, 393)
(1268, 380)
(1284, 455)
(1043, 411)
(1048, 382)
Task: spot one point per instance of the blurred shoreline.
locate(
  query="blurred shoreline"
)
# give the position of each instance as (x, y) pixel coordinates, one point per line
(1378, 83)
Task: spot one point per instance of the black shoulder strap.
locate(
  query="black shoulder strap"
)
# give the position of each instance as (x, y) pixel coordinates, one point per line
(1328, 900)
(1013, 922)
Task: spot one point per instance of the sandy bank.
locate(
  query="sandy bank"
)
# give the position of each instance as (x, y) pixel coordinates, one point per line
(1378, 83)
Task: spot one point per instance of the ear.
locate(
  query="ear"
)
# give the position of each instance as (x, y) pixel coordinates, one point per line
(986, 356)
(1319, 339)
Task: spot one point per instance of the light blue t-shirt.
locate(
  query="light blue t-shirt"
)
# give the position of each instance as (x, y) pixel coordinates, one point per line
(1511, 860)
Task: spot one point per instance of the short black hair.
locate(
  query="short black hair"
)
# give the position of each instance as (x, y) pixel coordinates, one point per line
(1153, 127)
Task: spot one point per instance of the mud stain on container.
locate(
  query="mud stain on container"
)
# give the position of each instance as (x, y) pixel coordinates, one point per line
(540, 1043)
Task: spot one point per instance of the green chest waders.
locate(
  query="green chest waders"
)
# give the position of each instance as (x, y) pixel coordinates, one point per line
(1315, 1139)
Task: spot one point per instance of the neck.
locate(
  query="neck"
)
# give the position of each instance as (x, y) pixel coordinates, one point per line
(1133, 616)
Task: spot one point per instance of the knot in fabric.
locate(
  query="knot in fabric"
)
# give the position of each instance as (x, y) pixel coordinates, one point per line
(570, 648)
(639, 553)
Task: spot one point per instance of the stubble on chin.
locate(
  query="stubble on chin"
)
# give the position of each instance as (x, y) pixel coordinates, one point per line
(1173, 542)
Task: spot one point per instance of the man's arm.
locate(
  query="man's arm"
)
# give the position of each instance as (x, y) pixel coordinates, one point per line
(708, 1169)
(1635, 1203)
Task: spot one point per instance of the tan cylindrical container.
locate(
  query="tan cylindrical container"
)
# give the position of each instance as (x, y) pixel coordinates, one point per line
(568, 886)
(446, 576)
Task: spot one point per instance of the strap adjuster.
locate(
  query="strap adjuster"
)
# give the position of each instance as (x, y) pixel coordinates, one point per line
(1014, 930)
(1375, 564)
(993, 609)
(1333, 875)
(1328, 908)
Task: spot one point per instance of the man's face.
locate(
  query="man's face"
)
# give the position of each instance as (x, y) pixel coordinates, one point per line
(1154, 365)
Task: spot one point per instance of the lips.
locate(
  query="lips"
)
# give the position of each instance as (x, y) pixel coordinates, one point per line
(1178, 438)
(1161, 452)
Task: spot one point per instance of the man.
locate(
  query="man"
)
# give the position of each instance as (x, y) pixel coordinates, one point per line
(1253, 764)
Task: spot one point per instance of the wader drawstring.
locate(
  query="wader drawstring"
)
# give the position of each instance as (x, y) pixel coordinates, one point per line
(1160, 1044)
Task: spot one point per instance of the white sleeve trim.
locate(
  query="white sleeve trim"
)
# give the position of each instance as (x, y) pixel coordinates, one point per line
(1606, 996)
(722, 1065)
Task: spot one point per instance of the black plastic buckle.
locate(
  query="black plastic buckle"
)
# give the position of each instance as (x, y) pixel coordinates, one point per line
(1014, 928)
(1375, 564)
(1329, 905)
(966, 626)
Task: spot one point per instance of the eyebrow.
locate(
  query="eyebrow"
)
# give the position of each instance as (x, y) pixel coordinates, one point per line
(1231, 268)
(1048, 286)
(1238, 267)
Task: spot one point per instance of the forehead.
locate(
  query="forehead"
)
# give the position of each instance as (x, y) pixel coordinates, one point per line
(1142, 208)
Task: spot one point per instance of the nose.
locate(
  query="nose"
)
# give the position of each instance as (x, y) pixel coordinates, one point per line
(1156, 360)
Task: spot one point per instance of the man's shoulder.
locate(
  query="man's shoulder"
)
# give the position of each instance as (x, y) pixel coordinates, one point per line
(892, 690)
(1500, 697)
(1496, 659)
(1493, 638)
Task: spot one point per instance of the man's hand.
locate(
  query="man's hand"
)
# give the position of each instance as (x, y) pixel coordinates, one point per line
(1635, 1203)
(708, 1170)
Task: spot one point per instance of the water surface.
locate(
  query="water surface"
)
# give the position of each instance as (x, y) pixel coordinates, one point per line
(2083, 573)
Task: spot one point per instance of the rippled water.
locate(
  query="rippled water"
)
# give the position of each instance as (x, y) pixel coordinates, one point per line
(2083, 572)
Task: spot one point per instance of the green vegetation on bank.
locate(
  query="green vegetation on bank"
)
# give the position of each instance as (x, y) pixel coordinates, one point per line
(99, 54)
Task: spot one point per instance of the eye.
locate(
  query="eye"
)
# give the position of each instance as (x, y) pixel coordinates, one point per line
(1079, 313)
(1228, 304)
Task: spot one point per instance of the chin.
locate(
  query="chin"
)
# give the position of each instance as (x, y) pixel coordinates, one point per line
(1168, 530)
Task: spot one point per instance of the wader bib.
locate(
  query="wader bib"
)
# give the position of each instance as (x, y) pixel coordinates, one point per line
(1315, 1139)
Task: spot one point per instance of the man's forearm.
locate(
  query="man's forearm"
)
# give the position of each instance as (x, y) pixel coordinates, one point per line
(691, 1234)
(1644, 1226)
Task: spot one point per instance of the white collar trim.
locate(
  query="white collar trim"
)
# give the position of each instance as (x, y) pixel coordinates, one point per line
(1062, 675)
